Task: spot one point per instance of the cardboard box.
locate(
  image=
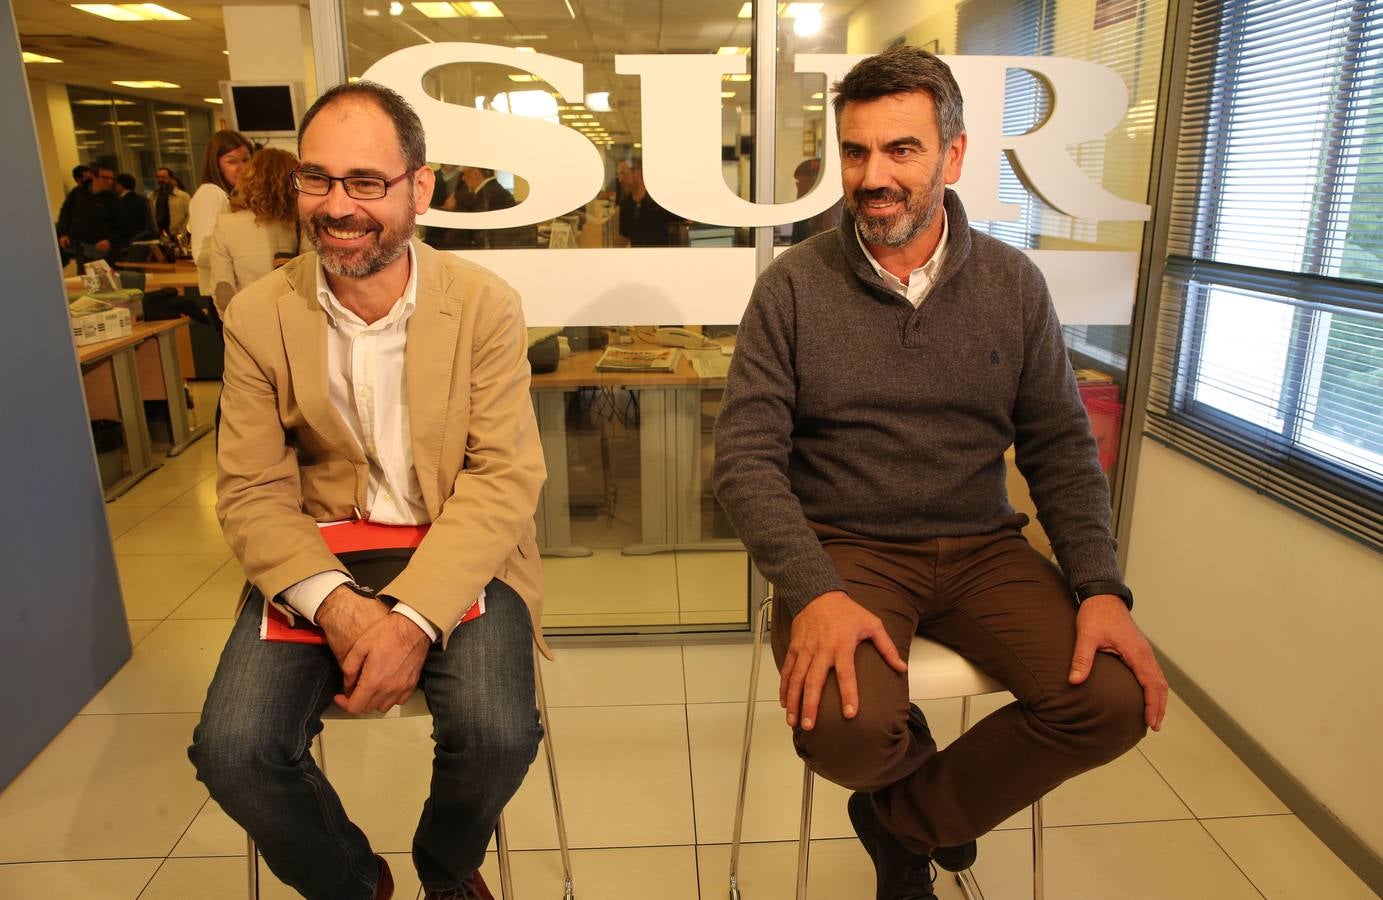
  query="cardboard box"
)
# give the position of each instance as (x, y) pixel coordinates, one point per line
(93, 328)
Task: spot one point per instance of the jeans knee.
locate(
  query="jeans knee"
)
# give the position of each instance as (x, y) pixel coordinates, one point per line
(503, 746)
(229, 760)
(1105, 717)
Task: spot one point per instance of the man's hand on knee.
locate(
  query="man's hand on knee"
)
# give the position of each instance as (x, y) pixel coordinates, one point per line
(1104, 625)
(344, 616)
(824, 637)
(382, 668)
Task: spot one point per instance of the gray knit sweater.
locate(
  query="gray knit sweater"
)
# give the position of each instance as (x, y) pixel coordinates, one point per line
(848, 407)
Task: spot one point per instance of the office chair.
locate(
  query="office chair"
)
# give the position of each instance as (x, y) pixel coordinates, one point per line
(417, 706)
(934, 673)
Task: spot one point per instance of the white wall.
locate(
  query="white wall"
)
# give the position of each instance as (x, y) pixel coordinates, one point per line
(1277, 618)
(57, 142)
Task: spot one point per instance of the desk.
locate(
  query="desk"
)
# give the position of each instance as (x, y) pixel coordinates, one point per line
(121, 353)
(180, 278)
(669, 453)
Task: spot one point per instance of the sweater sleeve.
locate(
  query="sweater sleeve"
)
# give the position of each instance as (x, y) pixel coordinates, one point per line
(753, 438)
(1055, 449)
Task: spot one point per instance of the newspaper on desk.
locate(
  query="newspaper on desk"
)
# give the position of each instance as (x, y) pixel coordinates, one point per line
(621, 359)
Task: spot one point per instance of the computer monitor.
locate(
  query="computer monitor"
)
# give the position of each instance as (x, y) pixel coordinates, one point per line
(263, 108)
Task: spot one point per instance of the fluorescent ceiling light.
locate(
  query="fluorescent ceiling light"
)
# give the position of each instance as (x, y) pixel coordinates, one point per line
(798, 10)
(438, 10)
(726, 95)
(526, 49)
(103, 102)
(732, 51)
(638, 146)
(170, 112)
(396, 8)
(213, 100)
(598, 101)
(122, 122)
(739, 76)
(370, 12)
(807, 23)
(173, 130)
(39, 58)
(143, 85)
(524, 77)
(529, 104)
(131, 12)
(812, 107)
(484, 9)
(818, 95)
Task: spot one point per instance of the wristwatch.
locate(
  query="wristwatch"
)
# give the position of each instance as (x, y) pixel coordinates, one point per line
(360, 589)
(1095, 588)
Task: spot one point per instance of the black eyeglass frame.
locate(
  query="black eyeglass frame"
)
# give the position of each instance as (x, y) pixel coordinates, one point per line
(297, 174)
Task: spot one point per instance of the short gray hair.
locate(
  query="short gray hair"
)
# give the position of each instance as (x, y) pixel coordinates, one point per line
(412, 141)
(903, 70)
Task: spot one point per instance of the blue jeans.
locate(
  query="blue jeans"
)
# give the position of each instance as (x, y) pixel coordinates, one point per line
(252, 748)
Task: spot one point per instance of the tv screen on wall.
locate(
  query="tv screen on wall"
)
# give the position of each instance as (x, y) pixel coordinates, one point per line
(264, 108)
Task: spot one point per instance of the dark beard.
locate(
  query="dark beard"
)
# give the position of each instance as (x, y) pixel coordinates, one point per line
(388, 247)
(919, 212)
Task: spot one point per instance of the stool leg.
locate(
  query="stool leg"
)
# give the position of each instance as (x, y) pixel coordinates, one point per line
(966, 879)
(755, 654)
(568, 890)
(804, 834)
(506, 877)
(252, 854)
(1037, 856)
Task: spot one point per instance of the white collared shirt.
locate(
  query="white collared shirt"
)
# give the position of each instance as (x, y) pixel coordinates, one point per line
(367, 384)
(920, 281)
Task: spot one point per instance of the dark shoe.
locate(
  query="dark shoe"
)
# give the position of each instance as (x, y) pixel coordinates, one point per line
(957, 858)
(900, 874)
(384, 887)
(472, 888)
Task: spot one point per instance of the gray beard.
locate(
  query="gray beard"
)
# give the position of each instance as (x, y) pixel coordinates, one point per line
(919, 212)
(371, 261)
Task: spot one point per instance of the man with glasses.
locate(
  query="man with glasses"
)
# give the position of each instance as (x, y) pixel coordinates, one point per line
(375, 379)
(90, 221)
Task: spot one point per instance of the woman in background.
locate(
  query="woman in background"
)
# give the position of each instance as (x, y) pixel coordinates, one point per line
(226, 154)
(261, 229)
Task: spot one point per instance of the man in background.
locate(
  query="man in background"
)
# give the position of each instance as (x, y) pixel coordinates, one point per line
(169, 204)
(134, 220)
(89, 223)
(642, 222)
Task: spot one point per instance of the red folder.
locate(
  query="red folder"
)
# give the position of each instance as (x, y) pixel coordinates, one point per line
(341, 538)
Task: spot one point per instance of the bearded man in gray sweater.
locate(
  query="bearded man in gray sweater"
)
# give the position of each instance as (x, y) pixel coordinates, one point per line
(880, 374)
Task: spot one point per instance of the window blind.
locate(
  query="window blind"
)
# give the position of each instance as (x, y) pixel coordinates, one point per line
(1269, 345)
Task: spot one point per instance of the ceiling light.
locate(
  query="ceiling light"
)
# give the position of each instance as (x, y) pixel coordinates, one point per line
(598, 101)
(396, 8)
(739, 76)
(726, 95)
(526, 49)
(131, 12)
(524, 77)
(111, 102)
(213, 100)
(225, 53)
(478, 9)
(173, 130)
(121, 122)
(638, 146)
(438, 10)
(39, 58)
(370, 12)
(818, 95)
(170, 112)
(798, 10)
(143, 85)
(812, 107)
(807, 23)
(732, 51)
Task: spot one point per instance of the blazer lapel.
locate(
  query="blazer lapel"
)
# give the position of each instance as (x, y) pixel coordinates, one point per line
(304, 326)
(429, 357)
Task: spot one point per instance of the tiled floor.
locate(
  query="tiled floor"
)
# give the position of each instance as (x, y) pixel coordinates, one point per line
(648, 741)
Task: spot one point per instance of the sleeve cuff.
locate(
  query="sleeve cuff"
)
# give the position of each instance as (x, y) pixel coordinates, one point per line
(307, 595)
(416, 618)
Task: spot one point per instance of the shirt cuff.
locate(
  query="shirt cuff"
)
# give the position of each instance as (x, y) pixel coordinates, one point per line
(416, 618)
(307, 595)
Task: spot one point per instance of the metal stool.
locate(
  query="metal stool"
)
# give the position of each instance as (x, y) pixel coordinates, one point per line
(417, 706)
(934, 673)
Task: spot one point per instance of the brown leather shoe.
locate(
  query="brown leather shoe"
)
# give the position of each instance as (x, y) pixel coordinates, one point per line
(472, 888)
(384, 887)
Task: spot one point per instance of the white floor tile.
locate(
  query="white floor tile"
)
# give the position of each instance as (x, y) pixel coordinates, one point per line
(169, 671)
(122, 518)
(162, 486)
(99, 879)
(107, 787)
(201, 494)
(1141, 861)
(624, 779)
(1284, 860)
(154, 586)
(630, 873)
(217, 597)
(837, 870)
(140, 628)
(633, 676)
(1203, 771)
(225, 878)
(381, 769)
(212, 833)
(174, 529)
(719, 673)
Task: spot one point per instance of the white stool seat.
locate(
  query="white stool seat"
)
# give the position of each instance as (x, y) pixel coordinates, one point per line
(936, 672)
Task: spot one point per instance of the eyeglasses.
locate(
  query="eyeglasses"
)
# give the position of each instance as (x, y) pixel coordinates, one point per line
(357, 187)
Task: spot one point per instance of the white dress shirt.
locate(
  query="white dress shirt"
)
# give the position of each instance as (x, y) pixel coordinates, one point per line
(920, 281)
(368, 386)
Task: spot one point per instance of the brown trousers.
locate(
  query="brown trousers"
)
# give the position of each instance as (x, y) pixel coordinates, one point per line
(998, 603)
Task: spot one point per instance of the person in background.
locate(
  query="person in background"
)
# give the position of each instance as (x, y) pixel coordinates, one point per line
(88, 225)
(479, 191)
(641, 220)
(226, 154)
(81, 177)
(805, 175)
(260, 231)
(169, 204)
(134, 220)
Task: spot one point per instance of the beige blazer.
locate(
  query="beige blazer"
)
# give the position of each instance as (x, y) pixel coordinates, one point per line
(242, 250)
(286, 460)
